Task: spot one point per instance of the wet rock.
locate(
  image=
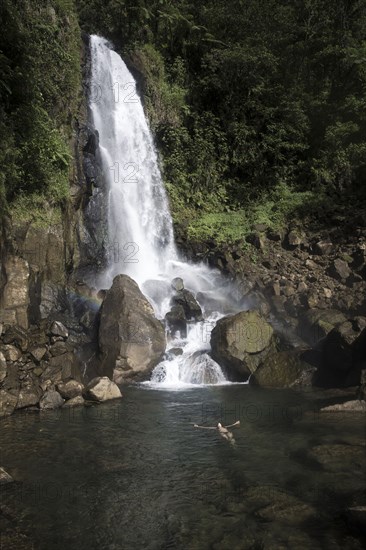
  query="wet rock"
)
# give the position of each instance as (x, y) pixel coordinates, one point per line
(3, 367)
(58, 329)
(241, 342)
(132, 341)
(70, 389)
(176, 320)
(281, 370)
(89, 320)
(349, 406)
(177, 284)
(273, 504)
(8, 401)
(102, 389)
(5, 477)
(175, 351)
(51, 400)
(30, 393)
(74, 402)
(191, 307)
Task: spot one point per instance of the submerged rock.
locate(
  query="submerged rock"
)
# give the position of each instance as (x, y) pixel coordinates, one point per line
(75, 402)
(102, 389)
(349, 406)
(5, 477)
(132, 341)
(177, 284)
(241, 342)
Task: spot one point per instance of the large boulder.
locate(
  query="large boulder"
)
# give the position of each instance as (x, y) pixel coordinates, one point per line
(51, 399)
(191, 307)
(131, 340)
(241, 342)
(30, 393)
(283, 370)
(343, 356)
(70, 389)
(102, 389)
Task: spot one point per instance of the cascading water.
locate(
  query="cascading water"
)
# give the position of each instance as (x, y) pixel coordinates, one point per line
(140, 229)
(140, 239)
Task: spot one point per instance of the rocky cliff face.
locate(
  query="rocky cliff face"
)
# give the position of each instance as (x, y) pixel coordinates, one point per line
(42, 265)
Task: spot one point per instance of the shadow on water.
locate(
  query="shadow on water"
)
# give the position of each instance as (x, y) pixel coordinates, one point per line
(134, 473)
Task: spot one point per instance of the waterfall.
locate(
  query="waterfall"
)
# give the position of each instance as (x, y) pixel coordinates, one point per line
(140, 230)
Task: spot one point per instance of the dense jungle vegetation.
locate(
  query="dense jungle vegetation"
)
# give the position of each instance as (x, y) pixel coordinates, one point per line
(258, 107)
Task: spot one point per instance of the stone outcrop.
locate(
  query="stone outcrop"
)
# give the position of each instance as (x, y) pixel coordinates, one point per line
(30, 372)
(70, 389)
(132, 341)
(50, 400)
(102, 389)
(283, 369)
(241, 342)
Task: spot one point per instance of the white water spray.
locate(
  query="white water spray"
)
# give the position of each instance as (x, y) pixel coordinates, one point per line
(140, 226)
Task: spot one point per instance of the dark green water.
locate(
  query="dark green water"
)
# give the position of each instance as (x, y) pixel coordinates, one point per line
(134, 474)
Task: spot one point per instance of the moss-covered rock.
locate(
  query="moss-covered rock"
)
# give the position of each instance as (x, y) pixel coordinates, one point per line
(282, 370)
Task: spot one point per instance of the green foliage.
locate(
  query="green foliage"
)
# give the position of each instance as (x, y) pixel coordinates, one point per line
(39, 94)
(243, 95)
(274, 209)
